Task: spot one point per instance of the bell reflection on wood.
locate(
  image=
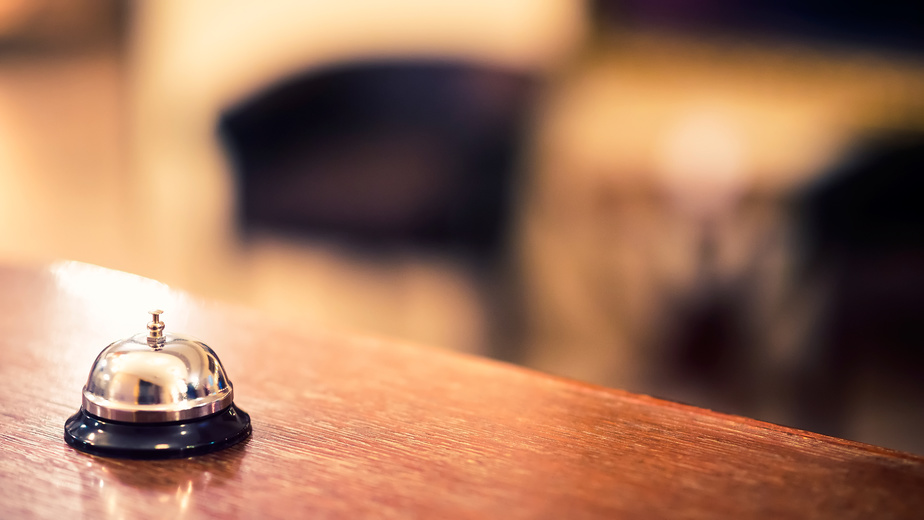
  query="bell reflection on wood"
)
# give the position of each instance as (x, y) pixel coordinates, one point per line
(157, 395)
(171, 487)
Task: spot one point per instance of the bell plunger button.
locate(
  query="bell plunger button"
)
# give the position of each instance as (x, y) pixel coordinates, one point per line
(156, 330)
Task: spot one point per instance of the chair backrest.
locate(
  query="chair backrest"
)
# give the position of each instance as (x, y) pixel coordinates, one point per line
(418, 152)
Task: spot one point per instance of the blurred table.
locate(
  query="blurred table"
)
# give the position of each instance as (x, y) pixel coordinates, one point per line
(361, 427)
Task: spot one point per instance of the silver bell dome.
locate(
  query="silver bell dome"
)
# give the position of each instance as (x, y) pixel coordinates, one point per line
(156, 377)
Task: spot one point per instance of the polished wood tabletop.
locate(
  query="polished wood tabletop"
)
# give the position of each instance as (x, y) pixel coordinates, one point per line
(352, 427)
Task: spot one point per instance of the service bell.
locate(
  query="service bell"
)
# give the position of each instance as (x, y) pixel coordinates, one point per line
(157, 395)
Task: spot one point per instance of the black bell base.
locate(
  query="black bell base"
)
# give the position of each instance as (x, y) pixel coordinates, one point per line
(173, 440)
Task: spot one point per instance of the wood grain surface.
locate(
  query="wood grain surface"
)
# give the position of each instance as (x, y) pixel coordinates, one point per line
(359, 427)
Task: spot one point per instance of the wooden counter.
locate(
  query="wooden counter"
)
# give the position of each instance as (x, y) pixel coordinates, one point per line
(358, 427)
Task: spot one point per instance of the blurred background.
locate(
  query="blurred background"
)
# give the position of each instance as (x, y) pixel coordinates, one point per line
(701, 200)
